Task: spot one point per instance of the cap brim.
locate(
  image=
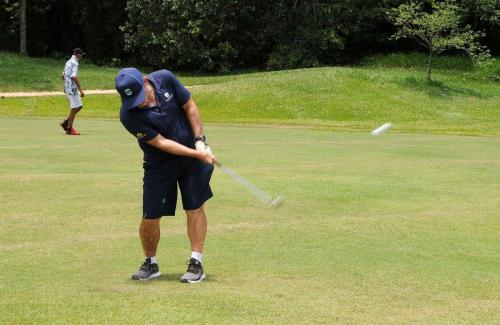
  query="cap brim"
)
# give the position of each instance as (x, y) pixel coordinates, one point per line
(134, 101)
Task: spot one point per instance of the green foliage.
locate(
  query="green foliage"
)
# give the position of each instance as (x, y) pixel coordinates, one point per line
(303, 34)
(487, 10)
(363, 25)
(484, 15)
(9, 25)
(223, 35)
(98, 23)
(438, 30)
(201, 36)
(54, 28)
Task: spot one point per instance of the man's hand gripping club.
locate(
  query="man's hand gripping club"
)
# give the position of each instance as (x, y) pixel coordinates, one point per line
(178, 149)
(203, 147)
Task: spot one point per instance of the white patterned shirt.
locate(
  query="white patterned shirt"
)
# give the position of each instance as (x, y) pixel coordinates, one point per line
(70, 70)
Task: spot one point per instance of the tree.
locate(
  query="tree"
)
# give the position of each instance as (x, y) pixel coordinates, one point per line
(22, 27)
(210, 35)
(302, 33)
(222, 35)
(484, 15)
(438, 30)
(487, 10)
(9, 26)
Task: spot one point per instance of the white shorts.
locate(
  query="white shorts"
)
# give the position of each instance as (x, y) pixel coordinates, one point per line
(75, 101)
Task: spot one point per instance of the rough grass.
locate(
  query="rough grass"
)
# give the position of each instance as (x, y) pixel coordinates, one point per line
(354, 98)
(402, 228)
(20, 73)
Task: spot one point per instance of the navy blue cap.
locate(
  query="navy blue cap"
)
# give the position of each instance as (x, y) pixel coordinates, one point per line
(130, 85)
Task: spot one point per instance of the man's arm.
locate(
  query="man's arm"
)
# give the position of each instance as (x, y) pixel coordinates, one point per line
(193, 115)
(77, 82)
(178, 149)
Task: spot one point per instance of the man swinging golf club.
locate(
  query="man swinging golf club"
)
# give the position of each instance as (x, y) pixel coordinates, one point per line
(159, 111)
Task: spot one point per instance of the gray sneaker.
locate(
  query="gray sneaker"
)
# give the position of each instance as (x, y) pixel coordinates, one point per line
(194, 272)
(147, 271)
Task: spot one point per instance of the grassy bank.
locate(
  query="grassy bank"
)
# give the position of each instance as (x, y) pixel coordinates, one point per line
(20, 73)
(461, 100)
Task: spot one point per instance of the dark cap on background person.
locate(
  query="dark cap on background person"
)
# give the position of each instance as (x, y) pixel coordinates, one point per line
(78, 51)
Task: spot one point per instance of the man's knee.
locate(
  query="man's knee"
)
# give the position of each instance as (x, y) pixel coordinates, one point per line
(197, 215)
(150, 223)
(194, 212)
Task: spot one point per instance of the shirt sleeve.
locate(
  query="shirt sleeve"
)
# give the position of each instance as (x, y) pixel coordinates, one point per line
(142, 131)
(74, 70)
(181, 93)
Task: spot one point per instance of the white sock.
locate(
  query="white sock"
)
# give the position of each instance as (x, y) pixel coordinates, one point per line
(153, 259)
(197, 256)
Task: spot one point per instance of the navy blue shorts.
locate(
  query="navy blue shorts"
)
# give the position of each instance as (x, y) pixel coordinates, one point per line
(160, 186)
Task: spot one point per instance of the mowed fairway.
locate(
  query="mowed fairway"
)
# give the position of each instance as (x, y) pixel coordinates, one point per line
(395, 229)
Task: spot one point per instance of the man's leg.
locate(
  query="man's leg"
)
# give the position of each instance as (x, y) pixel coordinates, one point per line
(197, 230)
(64, 125)
(71, 116)
(149, 230)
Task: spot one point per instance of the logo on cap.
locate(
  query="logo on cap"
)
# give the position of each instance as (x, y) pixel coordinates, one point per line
(128, 92)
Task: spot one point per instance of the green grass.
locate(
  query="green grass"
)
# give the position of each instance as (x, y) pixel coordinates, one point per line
(39, 74)
(403, 228)
(443, 66)
(340, 98)
(460, 100)
(20, 73)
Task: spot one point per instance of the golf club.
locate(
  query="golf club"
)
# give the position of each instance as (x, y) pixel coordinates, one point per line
(260, 194)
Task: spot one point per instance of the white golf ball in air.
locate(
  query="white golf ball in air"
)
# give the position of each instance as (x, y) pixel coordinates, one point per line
(381, 129)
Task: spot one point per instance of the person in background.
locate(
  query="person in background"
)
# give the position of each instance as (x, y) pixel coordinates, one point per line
(73, 90)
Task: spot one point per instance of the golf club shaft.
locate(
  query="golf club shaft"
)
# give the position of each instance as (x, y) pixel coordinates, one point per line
(260, 194)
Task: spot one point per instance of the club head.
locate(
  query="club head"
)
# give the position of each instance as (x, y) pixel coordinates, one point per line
(277, 202)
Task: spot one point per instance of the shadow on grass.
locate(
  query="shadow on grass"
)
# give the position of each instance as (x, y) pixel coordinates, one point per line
(438, 88)
(171, 277)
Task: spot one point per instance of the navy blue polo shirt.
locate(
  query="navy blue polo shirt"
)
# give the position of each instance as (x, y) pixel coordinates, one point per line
(168, 118)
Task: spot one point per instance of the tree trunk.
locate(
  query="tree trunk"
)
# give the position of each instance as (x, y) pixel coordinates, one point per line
(22, 27)
(429, 66)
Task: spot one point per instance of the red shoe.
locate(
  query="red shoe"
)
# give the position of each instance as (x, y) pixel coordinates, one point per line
(74, 131)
